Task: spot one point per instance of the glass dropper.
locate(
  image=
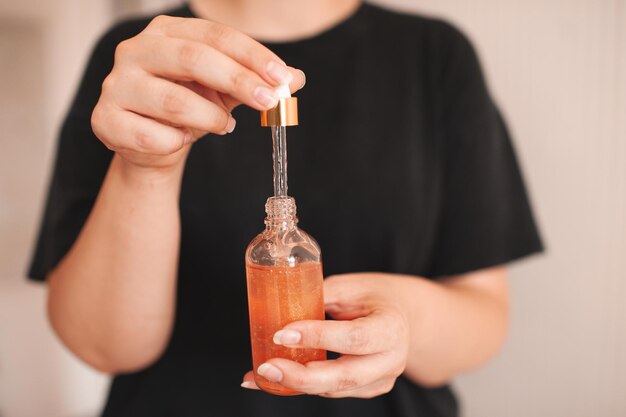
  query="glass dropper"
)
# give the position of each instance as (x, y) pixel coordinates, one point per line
(278, 118)
(279, 142)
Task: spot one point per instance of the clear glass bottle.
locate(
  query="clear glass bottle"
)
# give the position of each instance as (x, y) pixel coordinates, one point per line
(285, 284)
(283, 263)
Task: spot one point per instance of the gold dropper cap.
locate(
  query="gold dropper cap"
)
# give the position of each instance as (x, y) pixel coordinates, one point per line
(284, 114)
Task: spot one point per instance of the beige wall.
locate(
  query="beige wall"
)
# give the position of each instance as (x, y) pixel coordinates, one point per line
(43, 45)
(558, 70)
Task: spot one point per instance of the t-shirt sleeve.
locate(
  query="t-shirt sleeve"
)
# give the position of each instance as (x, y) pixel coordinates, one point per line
(485, 218)
(79, 169)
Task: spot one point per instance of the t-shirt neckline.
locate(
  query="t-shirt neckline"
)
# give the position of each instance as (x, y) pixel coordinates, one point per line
(330, 35)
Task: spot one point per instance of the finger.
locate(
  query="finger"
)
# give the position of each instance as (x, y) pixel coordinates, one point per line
(298, 81)
(380, 387)
(317, 377)
(343, 290)
(205, 92)
(238, 46)
(225, 101)
(129, 131)
(187, 60)
(165, 100)
(248, 381)
(228, 102)
(362, 336)
(347, 310)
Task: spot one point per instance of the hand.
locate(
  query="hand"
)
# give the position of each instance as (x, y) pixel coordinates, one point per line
(370, 330)
(178, 80)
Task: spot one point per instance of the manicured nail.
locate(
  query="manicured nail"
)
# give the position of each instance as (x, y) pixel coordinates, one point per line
(279, 73)
(287, 337)
(265, 97)
(248, 385)
(270, 372)
(303, 79)
(231, 125)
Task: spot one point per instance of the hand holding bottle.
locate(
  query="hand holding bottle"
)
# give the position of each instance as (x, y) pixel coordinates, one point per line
(370, 330)
(390, 324)
(178, 80)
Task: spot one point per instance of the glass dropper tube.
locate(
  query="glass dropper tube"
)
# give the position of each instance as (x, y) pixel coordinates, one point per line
(279, 142)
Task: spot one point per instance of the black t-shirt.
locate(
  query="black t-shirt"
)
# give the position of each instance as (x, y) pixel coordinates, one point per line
(401, 164)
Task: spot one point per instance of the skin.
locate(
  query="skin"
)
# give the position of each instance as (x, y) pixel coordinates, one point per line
(111, 300)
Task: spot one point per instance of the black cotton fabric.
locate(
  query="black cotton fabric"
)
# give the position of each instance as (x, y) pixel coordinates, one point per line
(401, 164)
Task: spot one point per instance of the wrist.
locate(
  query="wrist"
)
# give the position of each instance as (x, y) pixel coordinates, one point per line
(141, 177)
(416, 295)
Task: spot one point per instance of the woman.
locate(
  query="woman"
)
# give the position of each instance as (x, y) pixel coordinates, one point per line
(401, 167)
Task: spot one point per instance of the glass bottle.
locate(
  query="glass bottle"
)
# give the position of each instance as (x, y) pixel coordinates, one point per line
(284, 276)
(283, 265)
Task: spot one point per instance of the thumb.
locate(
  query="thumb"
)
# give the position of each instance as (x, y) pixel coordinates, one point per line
(343, 297)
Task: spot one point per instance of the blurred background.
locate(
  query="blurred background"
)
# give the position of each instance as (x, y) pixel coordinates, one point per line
(558, 71)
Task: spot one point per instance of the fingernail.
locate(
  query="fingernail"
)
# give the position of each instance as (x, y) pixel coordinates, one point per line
(248, 385)
(230, 126)
(188, 138)
(265, 97)
(270, 372)
(279, 73)
(303, 79)
(287, 337)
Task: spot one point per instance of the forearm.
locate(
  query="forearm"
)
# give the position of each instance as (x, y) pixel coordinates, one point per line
(112, 298)
(458, 325)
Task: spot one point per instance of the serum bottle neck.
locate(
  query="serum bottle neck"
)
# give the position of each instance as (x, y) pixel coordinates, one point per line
(281, 213)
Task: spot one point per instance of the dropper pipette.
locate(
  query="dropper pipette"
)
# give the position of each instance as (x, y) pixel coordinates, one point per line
(279, 142)
(278, 118)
